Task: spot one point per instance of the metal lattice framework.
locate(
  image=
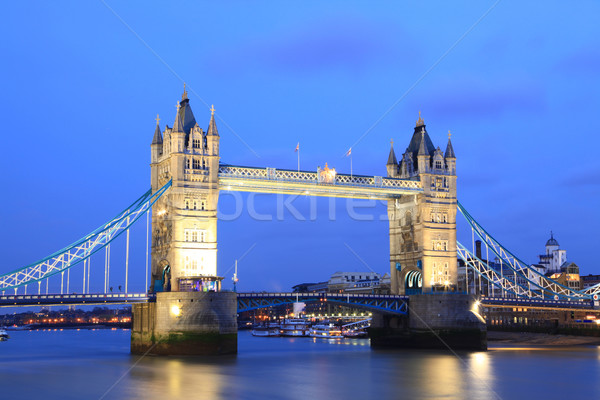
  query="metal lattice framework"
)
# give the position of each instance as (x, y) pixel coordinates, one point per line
(538, 285)
(593, 291)
(272, 180)
(496, 278)
(82, 249)
(387, 304)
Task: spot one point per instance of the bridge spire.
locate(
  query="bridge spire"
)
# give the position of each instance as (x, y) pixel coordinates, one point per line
(392, 157)
(212, 126)
(422, 146)
(184, 96)
(158, 139)
(420, 121)
(449, 149)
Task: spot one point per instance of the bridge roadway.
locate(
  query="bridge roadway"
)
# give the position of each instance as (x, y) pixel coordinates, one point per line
(326, 183)
(381, 303)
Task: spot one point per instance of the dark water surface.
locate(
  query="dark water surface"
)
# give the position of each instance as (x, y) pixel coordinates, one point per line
(90, 364)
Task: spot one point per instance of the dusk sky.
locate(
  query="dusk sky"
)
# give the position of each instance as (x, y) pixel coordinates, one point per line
(517, 83)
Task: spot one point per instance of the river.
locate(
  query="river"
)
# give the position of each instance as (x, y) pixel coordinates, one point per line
(95, 364)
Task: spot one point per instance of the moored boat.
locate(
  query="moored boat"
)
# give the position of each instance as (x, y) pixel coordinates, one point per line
(325, 330)
(355, 334)
(3, 335)
(266, 330)
(295, 327)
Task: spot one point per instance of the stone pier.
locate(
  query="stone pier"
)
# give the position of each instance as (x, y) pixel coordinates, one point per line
(435, 321)
(186, 323)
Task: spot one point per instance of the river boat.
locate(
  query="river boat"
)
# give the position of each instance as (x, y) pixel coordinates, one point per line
(355, 334)
(325, 330)
(295, 327)
(266, 330)
(3, 335)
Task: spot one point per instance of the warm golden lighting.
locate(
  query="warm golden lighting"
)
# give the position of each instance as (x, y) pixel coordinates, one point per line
(175, 310)
(162, 212)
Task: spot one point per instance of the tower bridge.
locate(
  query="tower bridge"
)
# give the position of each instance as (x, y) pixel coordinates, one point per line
(184, 296)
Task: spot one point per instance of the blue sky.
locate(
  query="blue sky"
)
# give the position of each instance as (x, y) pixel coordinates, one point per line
(520, 92)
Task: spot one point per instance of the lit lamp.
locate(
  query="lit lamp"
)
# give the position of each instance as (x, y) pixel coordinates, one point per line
(175, 310)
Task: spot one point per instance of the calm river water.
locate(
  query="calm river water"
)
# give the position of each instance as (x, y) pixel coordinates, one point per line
(94, 364)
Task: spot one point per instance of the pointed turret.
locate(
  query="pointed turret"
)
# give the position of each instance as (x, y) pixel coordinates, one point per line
(392, 163)
(157, 139)
(392, 157)
(449, 149)
(178, 124)
(423, 154)
(422, 147)
(212, 137)
(450, 157)
(212, 126)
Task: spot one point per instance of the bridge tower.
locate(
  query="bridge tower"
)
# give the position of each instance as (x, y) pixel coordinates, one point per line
(423, 226)
(184, 220)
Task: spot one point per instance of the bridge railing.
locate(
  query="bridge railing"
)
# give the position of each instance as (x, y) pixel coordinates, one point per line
(284, 175)
(392, 304)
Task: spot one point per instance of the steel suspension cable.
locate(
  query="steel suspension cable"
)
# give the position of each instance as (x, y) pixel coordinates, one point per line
(127, 260)
(147, 233)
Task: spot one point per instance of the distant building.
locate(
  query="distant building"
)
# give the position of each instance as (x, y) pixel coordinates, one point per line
(557, 267)
(554, 258)
(568, 276)
(341, 281)
(310, 287)
(349, 282)
(590, 280)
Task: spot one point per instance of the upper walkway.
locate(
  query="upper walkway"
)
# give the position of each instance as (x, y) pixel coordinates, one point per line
(309, 183)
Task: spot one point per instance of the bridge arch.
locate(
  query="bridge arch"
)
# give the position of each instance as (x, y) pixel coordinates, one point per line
(412, 277)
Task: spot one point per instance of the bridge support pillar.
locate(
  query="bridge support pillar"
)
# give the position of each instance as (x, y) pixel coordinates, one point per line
(186, 323)
(435, 321)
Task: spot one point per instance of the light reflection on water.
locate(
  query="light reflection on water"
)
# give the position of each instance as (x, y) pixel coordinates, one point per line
(76, 364)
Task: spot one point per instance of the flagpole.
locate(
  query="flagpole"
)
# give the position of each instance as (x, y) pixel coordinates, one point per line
(350, 163)
(298, 158)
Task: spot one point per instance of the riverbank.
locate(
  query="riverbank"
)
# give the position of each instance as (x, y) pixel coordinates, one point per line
(530, 338)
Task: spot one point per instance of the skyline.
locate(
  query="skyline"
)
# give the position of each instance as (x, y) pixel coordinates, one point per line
(82, 92)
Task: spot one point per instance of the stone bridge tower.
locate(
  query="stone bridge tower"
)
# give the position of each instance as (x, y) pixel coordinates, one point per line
(423, 226)
(184, 220)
